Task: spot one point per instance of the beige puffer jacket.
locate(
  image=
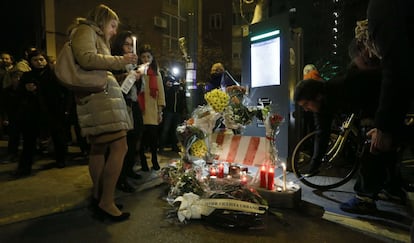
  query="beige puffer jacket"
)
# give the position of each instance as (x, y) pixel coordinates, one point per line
(106, 111)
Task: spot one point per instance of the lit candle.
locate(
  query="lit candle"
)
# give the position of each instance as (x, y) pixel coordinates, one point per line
(134, 45)
(213, 171)
(220, 171)
(263, 177)
(271, 179)
(234, 171)
(243, 179)
(284, 176)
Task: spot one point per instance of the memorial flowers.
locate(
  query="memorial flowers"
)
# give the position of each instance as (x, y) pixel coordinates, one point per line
(224, 202)
(238, 114)
(272, 123)
(217, 99)
(199, 185)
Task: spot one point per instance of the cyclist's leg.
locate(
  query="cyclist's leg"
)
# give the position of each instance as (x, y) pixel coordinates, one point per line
(371, 174)
(393, 187)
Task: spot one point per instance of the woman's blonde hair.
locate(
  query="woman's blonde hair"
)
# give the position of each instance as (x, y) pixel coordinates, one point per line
(101, 15)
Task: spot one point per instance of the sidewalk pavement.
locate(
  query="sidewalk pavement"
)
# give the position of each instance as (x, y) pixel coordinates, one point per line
(51, 190)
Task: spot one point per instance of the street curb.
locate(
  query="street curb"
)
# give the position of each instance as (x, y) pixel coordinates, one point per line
(377, 230)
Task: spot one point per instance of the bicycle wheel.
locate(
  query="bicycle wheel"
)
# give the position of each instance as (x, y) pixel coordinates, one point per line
(332, 174)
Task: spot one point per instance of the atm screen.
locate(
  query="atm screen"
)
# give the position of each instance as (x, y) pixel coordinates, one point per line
(265, 59)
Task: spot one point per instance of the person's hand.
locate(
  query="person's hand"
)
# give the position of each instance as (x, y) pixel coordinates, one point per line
(159, 117)
(131, 58)
(138, 75)
(380, 141)
(31, 87)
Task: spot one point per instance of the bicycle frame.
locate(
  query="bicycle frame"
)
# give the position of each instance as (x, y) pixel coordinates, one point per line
(346, 128)
(336, 168)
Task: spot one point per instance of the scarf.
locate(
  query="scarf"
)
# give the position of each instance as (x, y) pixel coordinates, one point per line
(153, 88)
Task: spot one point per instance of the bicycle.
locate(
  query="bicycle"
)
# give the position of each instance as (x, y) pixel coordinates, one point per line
(341, 161)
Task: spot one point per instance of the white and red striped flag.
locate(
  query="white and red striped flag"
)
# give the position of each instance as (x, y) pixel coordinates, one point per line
(247, 150)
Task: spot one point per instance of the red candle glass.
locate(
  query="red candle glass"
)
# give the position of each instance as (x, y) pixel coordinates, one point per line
(263, 177)
(220, 171)
(271, 179)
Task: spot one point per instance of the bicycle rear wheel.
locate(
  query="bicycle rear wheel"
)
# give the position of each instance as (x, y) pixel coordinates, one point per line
(332, 174)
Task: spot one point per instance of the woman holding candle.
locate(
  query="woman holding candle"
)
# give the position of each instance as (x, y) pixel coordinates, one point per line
(103, 116)
(123, 43)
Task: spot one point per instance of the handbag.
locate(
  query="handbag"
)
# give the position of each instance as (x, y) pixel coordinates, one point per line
(75, 78)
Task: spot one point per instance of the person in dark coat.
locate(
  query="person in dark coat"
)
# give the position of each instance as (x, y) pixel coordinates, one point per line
(386, 34)
(43, 107)
(390, 25)
(174, 112)
(218, 78)
(10, 100)
(353, 92)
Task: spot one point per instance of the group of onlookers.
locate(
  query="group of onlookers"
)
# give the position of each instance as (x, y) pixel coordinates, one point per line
(114, 127)
(120, 125)
(34, 107)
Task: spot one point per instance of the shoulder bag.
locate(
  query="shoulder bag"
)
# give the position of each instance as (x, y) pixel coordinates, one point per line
(75, 78)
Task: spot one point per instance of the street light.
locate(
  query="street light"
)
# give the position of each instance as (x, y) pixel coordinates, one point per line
(175, 71)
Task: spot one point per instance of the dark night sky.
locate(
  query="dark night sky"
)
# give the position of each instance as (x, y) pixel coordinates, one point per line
(21, 19)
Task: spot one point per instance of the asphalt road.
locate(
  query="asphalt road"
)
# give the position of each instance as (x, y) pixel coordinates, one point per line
(149, 222)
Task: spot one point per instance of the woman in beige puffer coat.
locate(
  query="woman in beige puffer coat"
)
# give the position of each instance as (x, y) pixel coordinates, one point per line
(103, 116)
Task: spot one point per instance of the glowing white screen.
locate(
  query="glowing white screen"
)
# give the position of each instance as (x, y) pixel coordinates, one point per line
(265, 63)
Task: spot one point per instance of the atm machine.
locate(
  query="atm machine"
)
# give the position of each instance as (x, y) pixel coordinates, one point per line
(272, 65)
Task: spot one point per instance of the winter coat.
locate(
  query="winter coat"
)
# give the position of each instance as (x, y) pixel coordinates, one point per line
(175, 99)
(355, 92)
(390, 25)
(106, 111)
(150, 115)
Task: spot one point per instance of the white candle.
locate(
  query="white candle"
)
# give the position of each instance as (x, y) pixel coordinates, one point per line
(284, 176)
(134, 45)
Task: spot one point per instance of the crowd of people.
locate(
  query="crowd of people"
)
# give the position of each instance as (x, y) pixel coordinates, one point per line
(37, 111)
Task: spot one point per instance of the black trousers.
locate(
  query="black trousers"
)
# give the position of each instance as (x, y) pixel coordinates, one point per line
(150, 140)
(30, 132)
(377, 172)
(133, 138)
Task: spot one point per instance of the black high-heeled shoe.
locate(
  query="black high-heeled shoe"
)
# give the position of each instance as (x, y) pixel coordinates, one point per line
(102, 214)
(95, 202)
